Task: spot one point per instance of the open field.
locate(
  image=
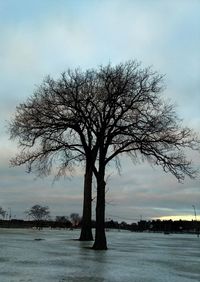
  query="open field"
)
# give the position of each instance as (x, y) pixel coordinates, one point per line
(134, 257)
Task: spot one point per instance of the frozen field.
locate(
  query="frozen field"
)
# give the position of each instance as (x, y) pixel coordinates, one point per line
(134, 257)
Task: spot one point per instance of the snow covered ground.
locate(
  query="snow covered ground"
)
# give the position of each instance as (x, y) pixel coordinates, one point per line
(134, 257)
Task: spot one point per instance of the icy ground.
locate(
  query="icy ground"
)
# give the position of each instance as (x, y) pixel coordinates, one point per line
(134, 257)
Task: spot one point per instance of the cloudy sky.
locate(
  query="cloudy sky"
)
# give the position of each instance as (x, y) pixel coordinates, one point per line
(47, 37)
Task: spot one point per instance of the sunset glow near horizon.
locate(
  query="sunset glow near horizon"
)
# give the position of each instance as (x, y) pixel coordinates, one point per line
(48, 37)
(179, 217)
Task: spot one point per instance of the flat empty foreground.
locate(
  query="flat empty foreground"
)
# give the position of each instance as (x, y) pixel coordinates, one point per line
(53, 255)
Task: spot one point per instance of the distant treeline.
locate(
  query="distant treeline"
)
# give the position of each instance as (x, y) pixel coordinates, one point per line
(168, 226)
(180, 226)
(18, 223)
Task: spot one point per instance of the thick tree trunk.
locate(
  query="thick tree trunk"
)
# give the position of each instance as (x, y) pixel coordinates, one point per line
(86, 229)
(100, 236)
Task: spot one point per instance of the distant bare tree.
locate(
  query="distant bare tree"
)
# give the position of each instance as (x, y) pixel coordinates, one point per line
(2, 212)
(38, 212)
(75, 219)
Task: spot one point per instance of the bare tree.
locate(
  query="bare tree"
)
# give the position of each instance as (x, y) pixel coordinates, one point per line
(95, 117)
(2, 212)
(133, 118)
(38, 212)
(53, 128)
(75, 219)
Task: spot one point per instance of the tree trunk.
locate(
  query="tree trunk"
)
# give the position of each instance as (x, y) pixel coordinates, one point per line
(86, 229)
(100, 236)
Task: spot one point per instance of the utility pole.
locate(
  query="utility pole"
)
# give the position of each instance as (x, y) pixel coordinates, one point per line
(195, 214)
(10, 215)
(196, 224)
